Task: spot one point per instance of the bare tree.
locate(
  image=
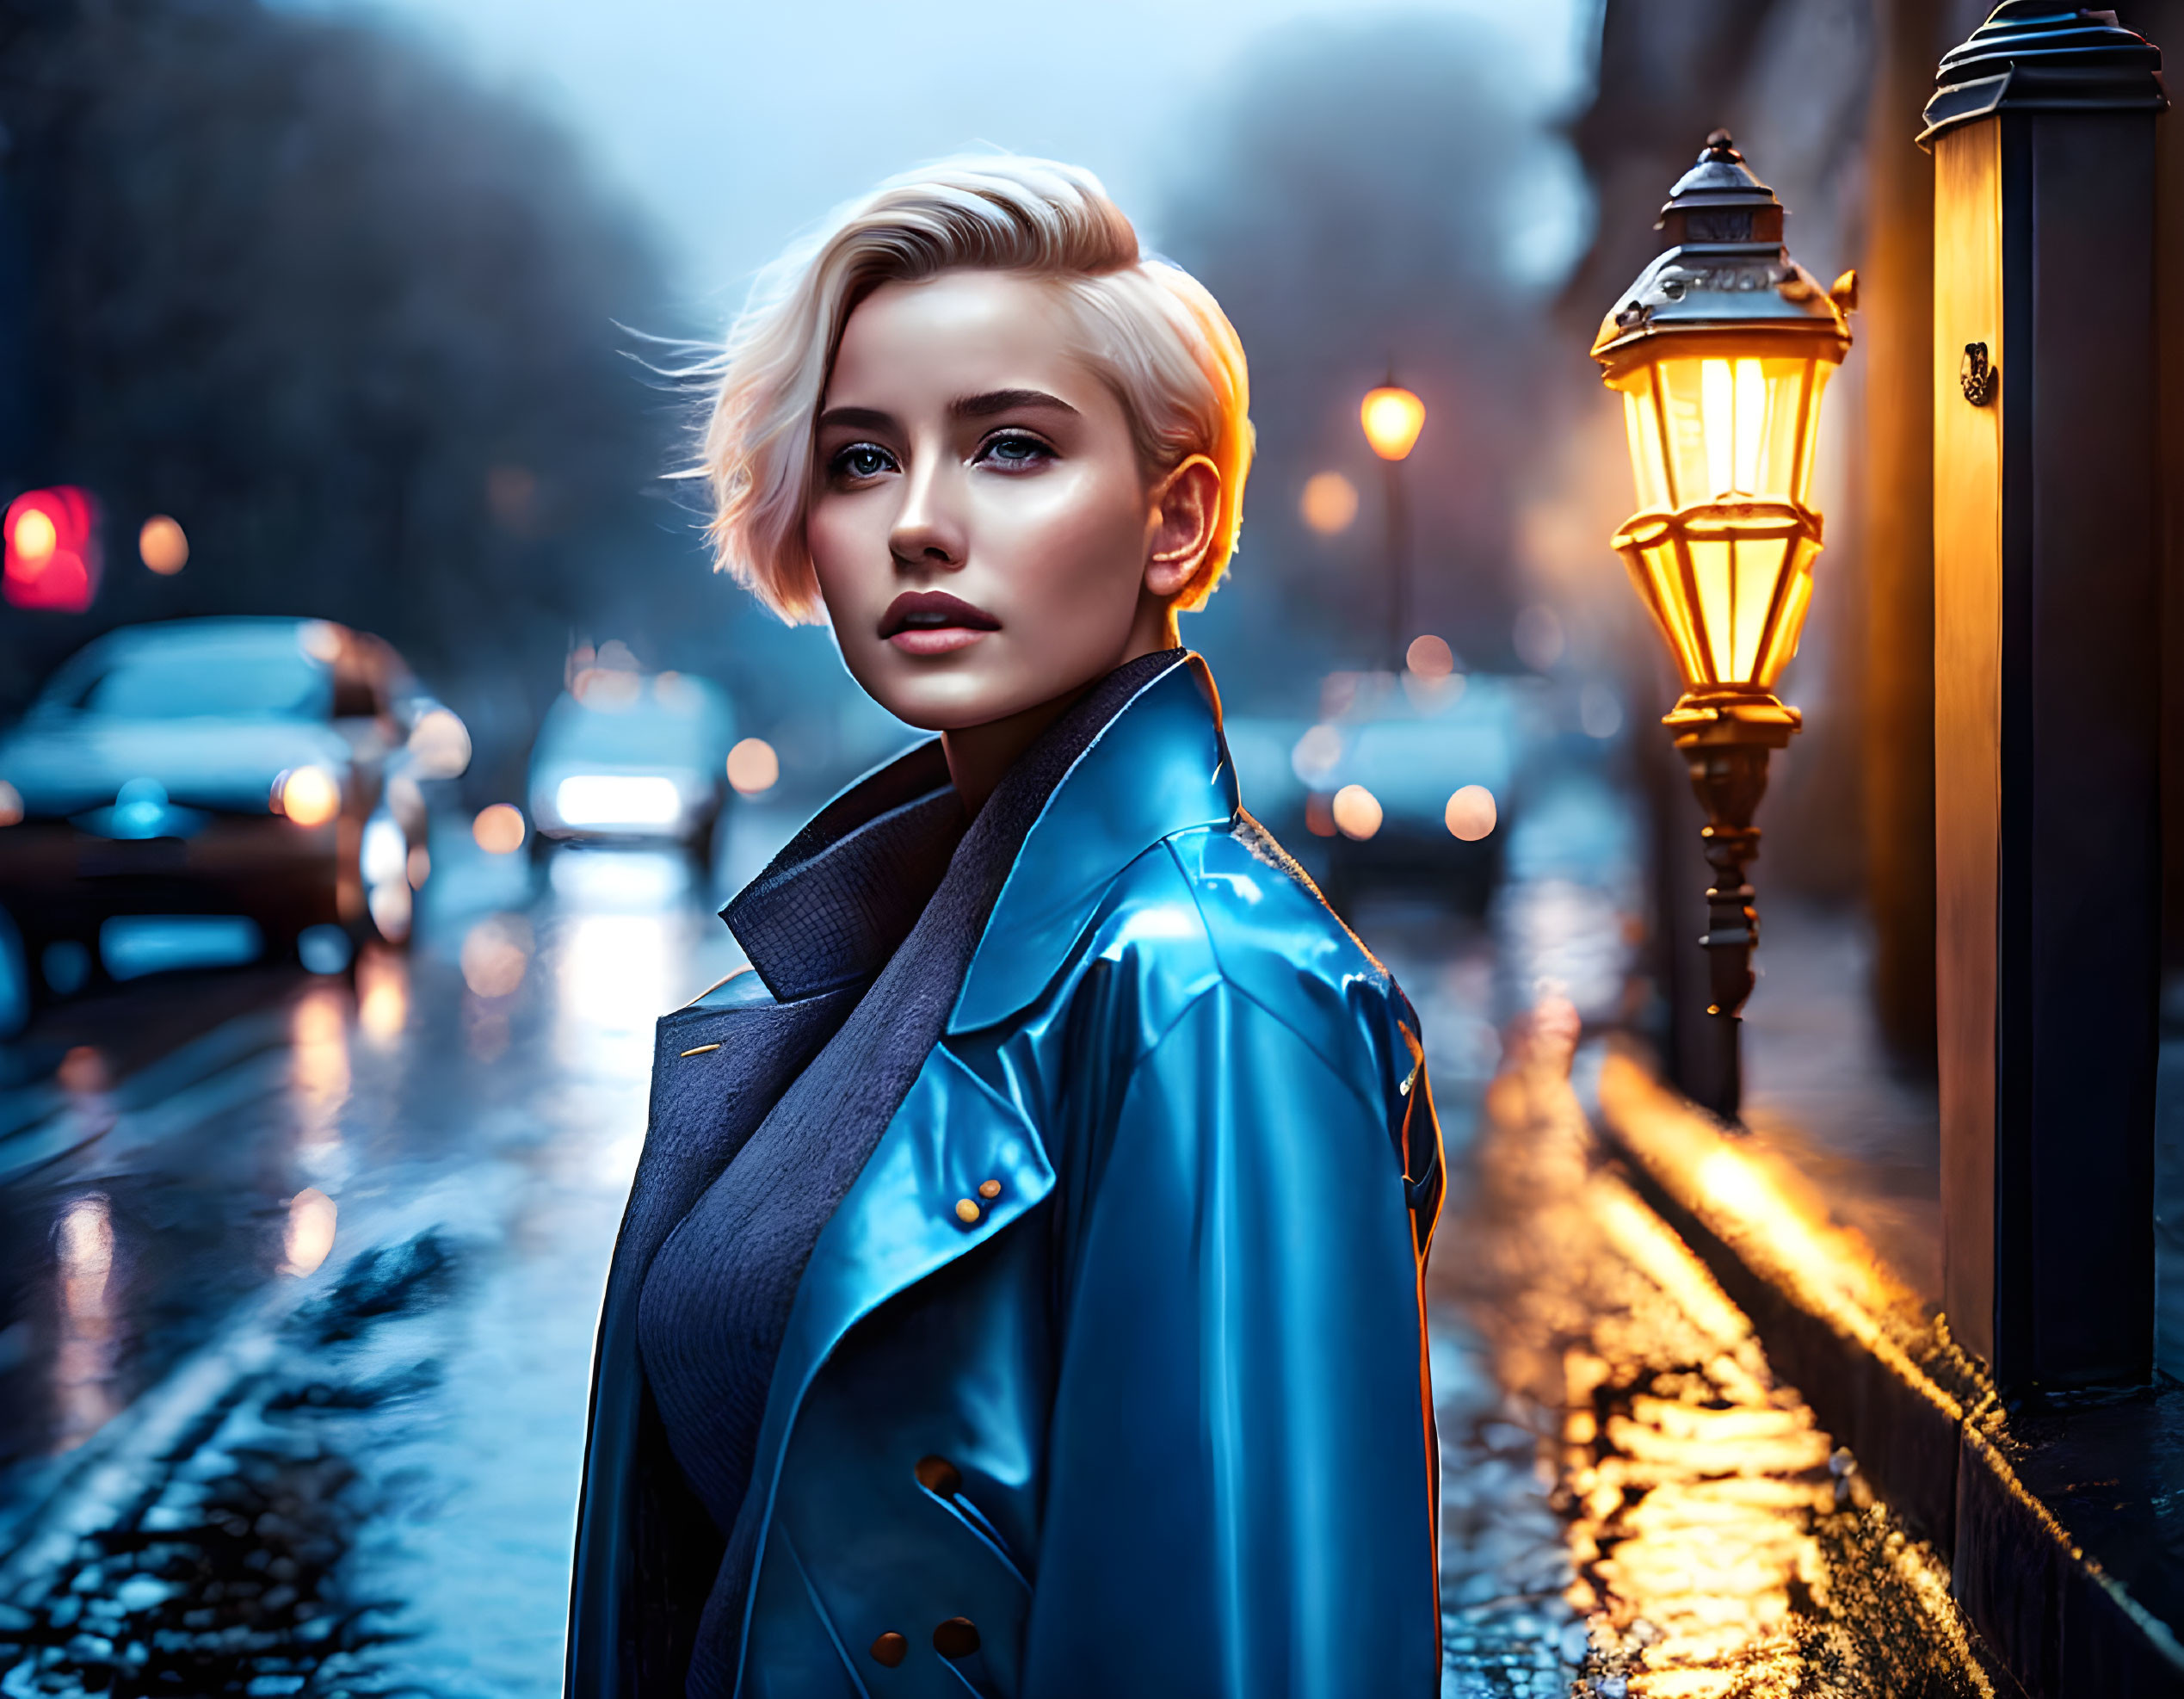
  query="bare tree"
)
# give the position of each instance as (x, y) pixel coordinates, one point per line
(351, 321)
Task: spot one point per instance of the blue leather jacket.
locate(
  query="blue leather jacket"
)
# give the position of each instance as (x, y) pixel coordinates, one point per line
(1107, 1379)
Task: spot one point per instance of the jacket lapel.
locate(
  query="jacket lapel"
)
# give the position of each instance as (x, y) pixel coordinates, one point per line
(904, 1219)
(1160, 767)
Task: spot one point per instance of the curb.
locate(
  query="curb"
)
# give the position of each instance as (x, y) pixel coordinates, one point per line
(1889, 1382)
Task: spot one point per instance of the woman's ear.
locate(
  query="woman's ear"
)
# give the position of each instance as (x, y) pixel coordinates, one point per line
(1186, 506)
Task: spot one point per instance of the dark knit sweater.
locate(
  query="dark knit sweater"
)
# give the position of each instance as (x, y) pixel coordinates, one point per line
(868, 907)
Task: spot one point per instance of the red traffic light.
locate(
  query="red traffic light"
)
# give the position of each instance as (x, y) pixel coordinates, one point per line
(52, 560)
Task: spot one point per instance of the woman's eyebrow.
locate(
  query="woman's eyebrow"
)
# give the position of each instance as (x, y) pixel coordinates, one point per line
(857, 418)
(1005, 401)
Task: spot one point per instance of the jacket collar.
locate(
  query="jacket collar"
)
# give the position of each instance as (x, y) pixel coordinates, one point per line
(832, 908)
(1160, 767)
(843, 893)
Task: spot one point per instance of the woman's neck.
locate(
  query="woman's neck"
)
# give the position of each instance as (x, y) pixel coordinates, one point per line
(978, 755)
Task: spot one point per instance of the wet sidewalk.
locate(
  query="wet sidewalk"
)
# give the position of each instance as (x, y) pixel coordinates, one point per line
(1633, 1506)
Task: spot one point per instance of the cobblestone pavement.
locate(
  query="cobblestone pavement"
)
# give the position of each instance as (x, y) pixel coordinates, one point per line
(296, 1377)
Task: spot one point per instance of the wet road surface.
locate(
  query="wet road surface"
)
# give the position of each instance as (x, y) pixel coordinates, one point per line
(320, 1283)
(303, 1273)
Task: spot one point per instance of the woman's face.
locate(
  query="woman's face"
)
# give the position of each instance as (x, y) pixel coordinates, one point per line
(984, 535)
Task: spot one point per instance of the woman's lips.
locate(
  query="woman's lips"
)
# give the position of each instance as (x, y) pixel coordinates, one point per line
(933, 622)
(938, 640)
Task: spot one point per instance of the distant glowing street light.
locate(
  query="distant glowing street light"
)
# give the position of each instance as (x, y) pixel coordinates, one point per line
(1392, 418)
(1721, 350)
(162, 546)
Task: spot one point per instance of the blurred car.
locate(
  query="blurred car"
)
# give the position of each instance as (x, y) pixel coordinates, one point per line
(1403, 790)
(625, 758)
(257, 781)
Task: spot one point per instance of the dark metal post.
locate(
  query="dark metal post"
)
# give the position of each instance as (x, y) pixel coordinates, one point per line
(1728, 762)
(1398, 558)
(2047, 701)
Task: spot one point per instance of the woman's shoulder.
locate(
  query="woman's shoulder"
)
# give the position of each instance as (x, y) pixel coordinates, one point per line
(1225, 907)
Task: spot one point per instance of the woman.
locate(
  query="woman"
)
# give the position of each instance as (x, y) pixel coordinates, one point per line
(1019, 1294)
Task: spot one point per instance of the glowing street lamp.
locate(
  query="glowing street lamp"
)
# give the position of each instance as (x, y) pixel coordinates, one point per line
(1720, 351)
(1392, 418)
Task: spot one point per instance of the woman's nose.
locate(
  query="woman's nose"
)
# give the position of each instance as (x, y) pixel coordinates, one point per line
(928, 529)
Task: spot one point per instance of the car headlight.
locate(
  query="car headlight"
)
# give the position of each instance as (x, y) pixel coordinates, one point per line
(610, 800)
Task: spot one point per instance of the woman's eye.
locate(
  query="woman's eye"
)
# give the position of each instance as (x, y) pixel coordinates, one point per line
(1013, 450)
(861, 460)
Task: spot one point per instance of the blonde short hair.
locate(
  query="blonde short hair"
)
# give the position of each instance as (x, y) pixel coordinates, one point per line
(1150, 328)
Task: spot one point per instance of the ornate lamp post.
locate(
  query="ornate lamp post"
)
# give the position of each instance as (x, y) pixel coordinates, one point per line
(1721, 350)
(1392, 418)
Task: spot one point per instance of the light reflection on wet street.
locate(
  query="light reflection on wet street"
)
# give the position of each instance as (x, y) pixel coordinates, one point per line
(315, 1308)
(1633, 1505)
(296, 1405)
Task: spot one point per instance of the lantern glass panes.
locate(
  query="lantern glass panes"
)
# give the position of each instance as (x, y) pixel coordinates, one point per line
(1728, 584)
(1717, 424)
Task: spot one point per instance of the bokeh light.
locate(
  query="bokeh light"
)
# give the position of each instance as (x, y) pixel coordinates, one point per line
(382, 994)
(1599, 712)
(439, 744)
(309, 796)
(310, 1239)
(753, 767)
(495, 953)
(1314, 759)
(391, 908)
(49, 552)
(499, 829)
(84, 1070)
(1472, 814)
(11, 804)
(1430, 657)
(1357, 812)
(34, 537)
(162, 546)
(84, 1245)
(1330, 503)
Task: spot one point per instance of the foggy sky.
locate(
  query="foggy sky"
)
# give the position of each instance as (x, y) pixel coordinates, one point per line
(734, 125)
